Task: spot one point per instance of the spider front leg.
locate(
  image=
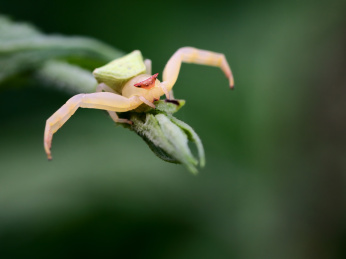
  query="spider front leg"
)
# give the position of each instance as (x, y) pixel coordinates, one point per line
(147, 64)
(113, 115)
(102, 100)
(197, 56)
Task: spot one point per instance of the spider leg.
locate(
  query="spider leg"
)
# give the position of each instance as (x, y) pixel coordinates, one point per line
(166, 92)
(171, 95)
(147, 63)
(147, 102)
(197, 56)
(112, 114)
(106, 88)
(101, 100)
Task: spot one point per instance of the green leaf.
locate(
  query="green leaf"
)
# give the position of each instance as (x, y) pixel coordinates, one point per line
(24, 48)
(179, 141)
(68, 78)
(192, 135)
(165, 135)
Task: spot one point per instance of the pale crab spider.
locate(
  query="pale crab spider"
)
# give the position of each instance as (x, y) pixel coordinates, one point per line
(142, 88)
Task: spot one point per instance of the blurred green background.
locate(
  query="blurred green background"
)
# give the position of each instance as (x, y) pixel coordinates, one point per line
(274, 182)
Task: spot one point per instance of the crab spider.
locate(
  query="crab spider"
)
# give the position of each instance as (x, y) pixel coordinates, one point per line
(139, 89)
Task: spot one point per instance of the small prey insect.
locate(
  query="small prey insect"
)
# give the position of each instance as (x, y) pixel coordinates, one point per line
(126, 83)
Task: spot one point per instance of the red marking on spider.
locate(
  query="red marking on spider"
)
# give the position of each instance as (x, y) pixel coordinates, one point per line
(147, 83)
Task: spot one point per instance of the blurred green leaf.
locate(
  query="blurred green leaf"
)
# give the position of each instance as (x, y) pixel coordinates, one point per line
(67, 77)
(24, 48)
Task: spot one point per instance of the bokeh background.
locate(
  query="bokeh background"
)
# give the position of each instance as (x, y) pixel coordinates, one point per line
(274, 182)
